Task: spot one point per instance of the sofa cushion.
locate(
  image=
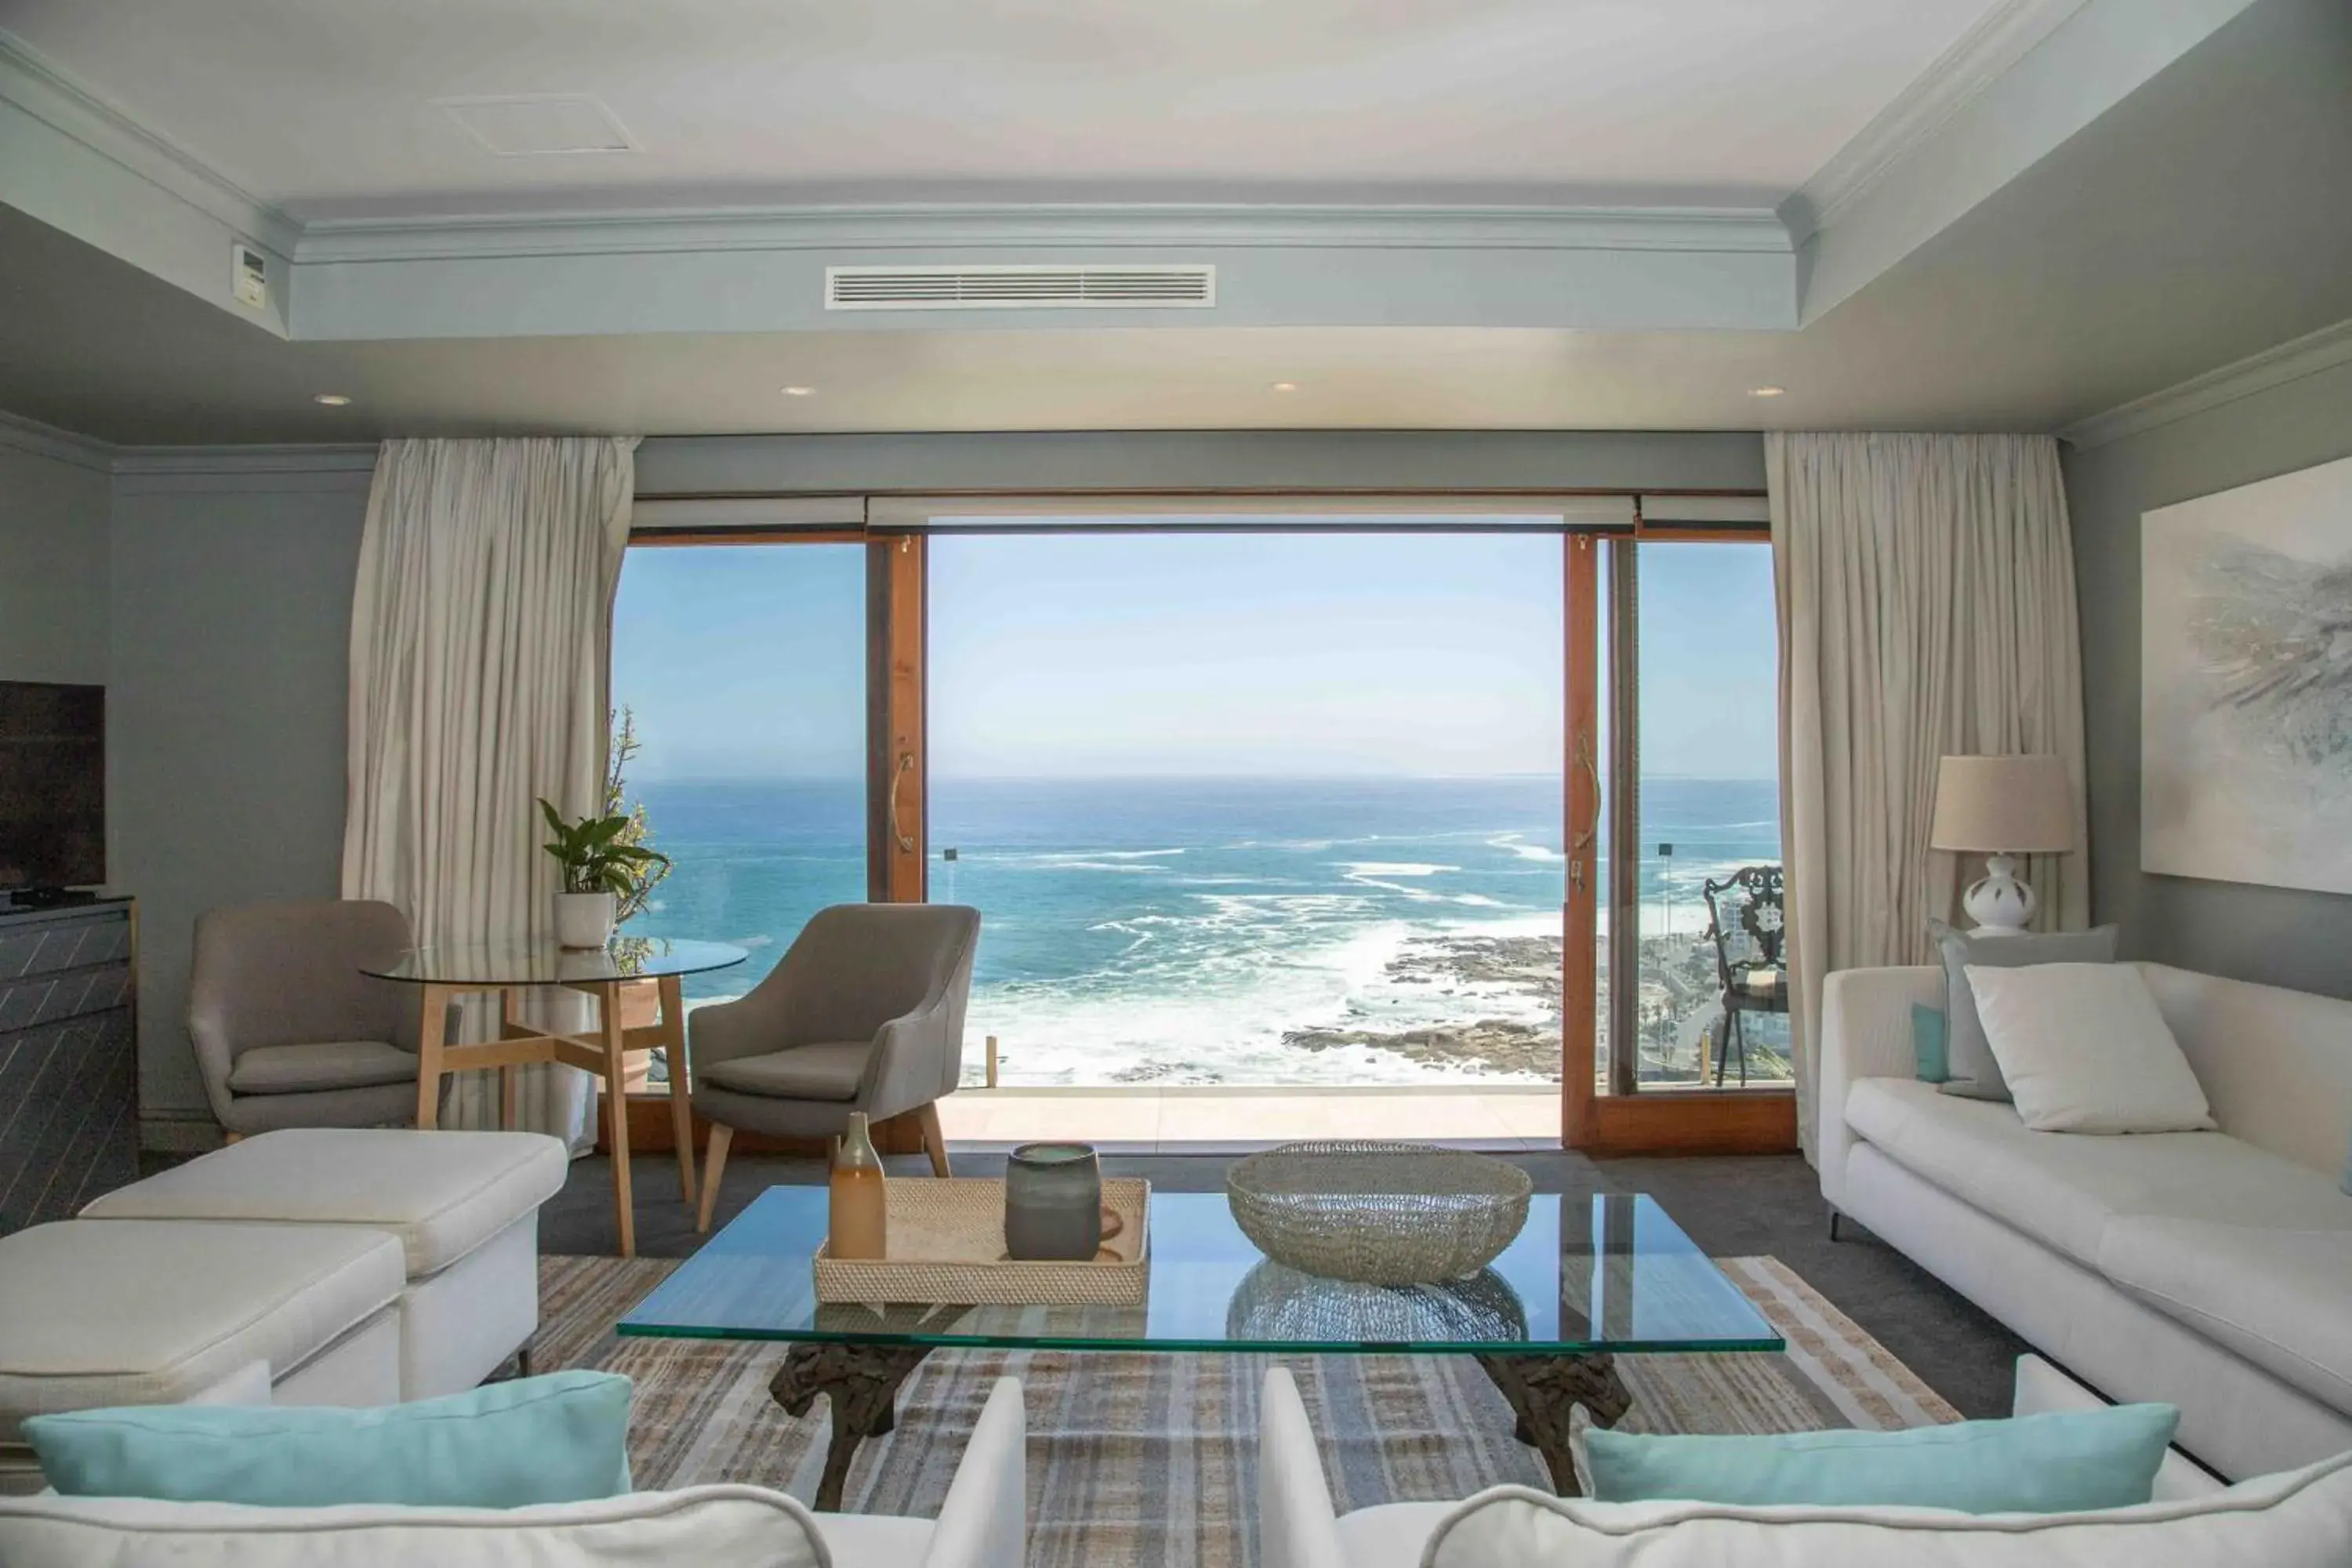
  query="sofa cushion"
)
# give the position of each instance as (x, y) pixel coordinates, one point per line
(2065, 1190)
(563, 1437)
(1975, 1074)
(2299, 1520)
(2281, 1298)
(330, 1064)
(2083, 1049)
(442, 1194)
(713, 1524)
(830, 1071)
(140, 1312)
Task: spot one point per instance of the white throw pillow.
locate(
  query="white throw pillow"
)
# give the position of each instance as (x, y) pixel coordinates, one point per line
(2083, 1049)
(2298, 1520)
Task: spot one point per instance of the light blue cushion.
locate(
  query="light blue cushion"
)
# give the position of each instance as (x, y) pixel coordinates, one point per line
(559, 1439)
(2063, 1462)
(1933, 1064)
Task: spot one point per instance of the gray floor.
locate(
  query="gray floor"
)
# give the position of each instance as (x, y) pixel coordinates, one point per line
(1733, 1206)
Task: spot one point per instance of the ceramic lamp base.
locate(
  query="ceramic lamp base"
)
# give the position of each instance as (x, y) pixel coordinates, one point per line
(1999, 902)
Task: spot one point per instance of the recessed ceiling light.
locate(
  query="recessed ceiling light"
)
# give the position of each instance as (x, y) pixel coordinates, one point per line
(331, 399)
(1767, 391)
(800, 391)
(1285, 386)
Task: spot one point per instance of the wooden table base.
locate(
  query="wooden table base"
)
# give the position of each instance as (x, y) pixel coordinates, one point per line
(602, 1056)
(1542, 1391)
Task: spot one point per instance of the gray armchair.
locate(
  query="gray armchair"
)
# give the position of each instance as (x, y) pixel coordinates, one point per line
(864, 1013)
(288, 1033)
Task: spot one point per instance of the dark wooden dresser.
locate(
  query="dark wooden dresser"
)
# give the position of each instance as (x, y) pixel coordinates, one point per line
(69, 1058)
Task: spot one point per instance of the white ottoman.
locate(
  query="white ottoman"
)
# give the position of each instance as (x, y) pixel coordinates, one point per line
(465, 1207)
(145, 1312)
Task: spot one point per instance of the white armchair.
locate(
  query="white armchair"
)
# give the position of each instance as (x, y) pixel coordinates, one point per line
(1299, 1528)
(983, 1524)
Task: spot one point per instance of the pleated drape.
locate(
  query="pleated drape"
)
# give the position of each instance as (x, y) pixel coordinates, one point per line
(1926, 589)
(481, 632)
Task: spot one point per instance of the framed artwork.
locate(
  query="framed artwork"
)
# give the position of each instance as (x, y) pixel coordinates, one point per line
(2246, 683)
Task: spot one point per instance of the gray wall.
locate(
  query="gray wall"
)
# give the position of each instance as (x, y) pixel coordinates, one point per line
(2270, 934)
(232, 601)
(53, 560)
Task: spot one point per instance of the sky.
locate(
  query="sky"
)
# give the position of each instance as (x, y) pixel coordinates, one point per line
(1158, 654)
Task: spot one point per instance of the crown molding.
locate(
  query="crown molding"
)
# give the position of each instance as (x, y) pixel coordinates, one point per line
(1108, 226)
(337, 470)
(2290, 360)
(49, 93)
(22, 434)
(2000, 39)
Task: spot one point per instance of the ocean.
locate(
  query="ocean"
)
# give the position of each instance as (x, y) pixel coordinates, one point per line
(1196, 930)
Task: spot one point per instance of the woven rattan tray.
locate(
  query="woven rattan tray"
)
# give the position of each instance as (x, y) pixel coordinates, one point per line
(947, 1245)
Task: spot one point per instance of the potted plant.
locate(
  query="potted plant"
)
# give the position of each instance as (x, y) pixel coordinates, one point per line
(601, 868)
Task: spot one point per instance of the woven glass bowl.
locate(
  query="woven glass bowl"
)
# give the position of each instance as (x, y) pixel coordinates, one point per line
(1381, 1214)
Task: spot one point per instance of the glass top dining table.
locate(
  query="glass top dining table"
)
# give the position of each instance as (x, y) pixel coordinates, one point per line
(517, 961)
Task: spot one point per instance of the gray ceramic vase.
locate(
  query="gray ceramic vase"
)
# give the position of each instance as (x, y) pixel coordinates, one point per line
(1052, 1203)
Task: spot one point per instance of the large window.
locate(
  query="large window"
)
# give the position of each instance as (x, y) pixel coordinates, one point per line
(1253, 807)
(742, 670)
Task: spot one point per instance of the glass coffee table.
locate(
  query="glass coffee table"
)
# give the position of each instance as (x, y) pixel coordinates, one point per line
(1586, 1280)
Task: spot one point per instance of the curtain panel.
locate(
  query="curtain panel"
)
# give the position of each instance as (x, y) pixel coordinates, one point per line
(481, 632)
(1926, 589)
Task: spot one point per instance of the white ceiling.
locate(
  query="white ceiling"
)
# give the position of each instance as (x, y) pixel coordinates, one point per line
(327, 108)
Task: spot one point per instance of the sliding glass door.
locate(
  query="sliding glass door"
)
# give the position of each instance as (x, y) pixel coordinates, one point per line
(1253, 807)
(739, 683)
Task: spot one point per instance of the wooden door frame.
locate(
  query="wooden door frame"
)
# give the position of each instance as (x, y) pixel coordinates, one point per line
(1666, 1121)
(898, 757)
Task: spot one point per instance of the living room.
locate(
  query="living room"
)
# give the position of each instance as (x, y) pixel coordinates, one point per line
(602, 616)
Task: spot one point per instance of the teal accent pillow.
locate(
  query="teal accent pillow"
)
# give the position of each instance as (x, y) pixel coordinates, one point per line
(1927, 1044)
(2063, 1462)
(559, 1439)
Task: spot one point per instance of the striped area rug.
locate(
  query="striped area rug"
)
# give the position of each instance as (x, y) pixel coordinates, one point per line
(1151, 1459)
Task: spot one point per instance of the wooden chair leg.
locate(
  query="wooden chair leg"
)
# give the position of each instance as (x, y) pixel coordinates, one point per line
(714, 1163)
(935, 1140)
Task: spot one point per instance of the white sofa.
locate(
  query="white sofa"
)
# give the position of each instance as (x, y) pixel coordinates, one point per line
(2209, 1270)
(982, 1524)
(2287, 1521)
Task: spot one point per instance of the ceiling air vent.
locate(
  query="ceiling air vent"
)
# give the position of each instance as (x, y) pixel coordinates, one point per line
(1084, 288)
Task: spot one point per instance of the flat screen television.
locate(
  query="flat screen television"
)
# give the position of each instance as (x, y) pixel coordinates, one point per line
(52, 786)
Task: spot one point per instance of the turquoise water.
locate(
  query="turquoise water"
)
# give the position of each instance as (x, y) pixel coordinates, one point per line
(1177, 927)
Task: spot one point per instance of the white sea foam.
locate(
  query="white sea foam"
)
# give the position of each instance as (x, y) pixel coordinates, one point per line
(1516, 844)
(1360, 868)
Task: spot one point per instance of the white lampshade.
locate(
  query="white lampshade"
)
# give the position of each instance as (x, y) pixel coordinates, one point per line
(2020, 805)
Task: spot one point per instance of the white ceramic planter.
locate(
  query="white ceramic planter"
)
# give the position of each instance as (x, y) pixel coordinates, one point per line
(584, 919)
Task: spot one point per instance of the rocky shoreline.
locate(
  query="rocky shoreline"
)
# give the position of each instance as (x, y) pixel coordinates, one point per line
(1677, 1004)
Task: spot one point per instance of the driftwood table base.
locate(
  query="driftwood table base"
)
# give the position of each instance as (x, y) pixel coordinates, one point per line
(1543, 1389)
(861, 1382)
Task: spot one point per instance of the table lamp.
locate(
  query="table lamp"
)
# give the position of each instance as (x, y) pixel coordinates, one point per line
(2002, 806)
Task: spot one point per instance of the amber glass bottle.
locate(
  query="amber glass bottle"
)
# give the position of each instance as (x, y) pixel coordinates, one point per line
(860, 1222)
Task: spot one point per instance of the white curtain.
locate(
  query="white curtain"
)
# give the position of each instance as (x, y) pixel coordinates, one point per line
(481, 635)
(1926, 606)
